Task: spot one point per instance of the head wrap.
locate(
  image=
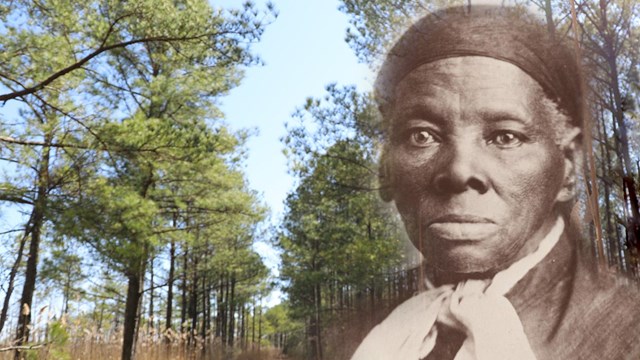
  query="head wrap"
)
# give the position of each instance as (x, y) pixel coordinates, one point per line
(504, 33)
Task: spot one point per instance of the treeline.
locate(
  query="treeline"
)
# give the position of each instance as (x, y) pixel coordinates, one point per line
(344, 262)
(122, 185)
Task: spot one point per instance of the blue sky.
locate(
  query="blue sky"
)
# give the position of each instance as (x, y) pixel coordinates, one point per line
(303, 51)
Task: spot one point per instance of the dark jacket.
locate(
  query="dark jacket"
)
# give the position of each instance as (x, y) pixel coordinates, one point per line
(570, 310)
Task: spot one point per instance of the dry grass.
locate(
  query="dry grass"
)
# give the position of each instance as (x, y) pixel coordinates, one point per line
(101, 351)
(65, 341)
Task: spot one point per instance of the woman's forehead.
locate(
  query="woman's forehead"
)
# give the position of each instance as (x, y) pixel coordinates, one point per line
(468, 70)
(470, 83)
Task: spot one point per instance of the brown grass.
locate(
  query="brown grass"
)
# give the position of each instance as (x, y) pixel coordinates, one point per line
(102, 351)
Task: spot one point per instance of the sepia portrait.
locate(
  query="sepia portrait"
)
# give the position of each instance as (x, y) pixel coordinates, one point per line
(484, 114)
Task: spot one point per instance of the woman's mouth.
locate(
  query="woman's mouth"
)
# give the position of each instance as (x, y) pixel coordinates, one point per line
(456, 227)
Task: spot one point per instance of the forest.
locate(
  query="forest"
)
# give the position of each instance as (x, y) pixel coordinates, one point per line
(136, 214)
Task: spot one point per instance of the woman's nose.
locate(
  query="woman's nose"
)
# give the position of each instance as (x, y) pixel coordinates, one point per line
(460, 168)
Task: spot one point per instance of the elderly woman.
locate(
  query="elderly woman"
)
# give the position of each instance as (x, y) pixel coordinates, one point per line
(484, 115)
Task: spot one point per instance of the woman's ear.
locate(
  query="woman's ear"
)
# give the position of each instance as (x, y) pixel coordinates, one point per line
(571, 145)
(385, 177)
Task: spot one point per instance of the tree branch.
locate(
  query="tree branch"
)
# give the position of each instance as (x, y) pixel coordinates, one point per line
(25, 347)
(100, 50)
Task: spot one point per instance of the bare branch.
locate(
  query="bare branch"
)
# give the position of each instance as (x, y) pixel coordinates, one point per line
(10, 140)
(12, 231)
(100, 50)
(15, 199)
(25, 347)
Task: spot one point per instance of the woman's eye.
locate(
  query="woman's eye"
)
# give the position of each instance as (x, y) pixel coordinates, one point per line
(507, 139)
(421, 138)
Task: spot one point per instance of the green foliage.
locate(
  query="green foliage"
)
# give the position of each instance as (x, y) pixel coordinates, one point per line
(376, 24)
(57, 333)
(119, 142)
(157, 135)
(278, 323)
(338, 241)
(62, 269)
(59, 337)
(56, 347)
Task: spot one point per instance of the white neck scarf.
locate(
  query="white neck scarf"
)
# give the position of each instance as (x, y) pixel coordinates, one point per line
(483, 313)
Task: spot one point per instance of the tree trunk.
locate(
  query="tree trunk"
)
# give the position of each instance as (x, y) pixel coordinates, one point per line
(131, 315)
(219, 306)
(628, 261)
(260, 324)
(12, 278)
(245, 327)
(253, 324)
(315, 339)
(37, 216)
(101, 317)
(232, 309)
(193, 302)
(548, 11)
(614, 85)
(136, 332)
(205, 296)
(66, 294)
(225, 310)
(150, 321)
(633, 223)
(605, 162)
(183, 308)
(170, 280)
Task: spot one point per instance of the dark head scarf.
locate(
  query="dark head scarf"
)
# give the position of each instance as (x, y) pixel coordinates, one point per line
(503, 33)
